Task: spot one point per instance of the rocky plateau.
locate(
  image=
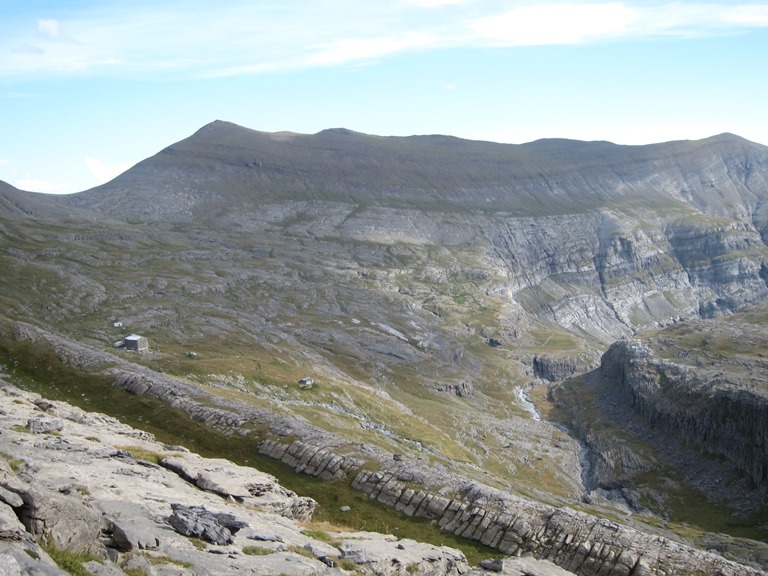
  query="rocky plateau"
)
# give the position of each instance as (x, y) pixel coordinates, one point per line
(553, 349)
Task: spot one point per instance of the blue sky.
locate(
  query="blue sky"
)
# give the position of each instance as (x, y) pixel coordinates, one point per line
(89, 88)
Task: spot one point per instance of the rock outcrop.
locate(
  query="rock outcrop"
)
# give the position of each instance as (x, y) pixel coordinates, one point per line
(702, 407)
(696, 393)
(675, 410)
(87, 488)
(556, 368)
(578, 542)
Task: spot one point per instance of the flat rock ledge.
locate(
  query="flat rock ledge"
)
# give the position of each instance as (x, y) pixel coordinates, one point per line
(578, 542)
(90, 484)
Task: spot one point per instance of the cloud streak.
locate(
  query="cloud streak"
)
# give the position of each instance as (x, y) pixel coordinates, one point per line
(199, 39)
(556, 24)
(102, 172)
(35, 185)
(49, 28)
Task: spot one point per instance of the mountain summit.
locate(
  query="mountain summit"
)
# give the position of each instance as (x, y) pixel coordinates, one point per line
(224, 165)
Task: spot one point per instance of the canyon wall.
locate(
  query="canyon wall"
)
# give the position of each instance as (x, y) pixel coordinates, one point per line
(719, 413)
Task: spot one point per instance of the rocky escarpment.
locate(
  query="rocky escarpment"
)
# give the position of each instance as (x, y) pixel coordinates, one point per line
(573, 540)
(688, 402)
(555, 368)
(702, 407)
(83, 483)
(606, 274)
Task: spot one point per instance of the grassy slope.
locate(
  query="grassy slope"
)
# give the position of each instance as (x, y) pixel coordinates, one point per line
(271, 303)
(257, 324)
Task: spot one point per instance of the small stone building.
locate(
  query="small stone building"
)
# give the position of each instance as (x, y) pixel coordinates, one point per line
(306, 383)
(136, 343)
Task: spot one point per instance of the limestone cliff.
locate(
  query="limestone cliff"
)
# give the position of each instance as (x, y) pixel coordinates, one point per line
(690, 398)
(703, 407)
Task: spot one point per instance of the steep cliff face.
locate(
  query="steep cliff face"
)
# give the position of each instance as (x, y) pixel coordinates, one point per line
(690, 399)
(608, 274)
(720, 413)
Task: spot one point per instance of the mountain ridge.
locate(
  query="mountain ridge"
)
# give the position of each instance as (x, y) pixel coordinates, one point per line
(338, 164)
(430, 285)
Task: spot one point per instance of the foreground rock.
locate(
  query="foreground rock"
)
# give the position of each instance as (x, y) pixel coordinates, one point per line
(96, 486)
(582, 543)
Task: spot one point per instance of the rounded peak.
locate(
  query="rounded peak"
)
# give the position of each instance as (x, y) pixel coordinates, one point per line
(729, 138)
(219, 126)
(339, 132)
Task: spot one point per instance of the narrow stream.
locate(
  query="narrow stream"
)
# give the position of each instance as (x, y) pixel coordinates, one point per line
(526, 403)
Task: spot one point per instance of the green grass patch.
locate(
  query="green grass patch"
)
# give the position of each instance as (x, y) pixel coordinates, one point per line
(156, 560)
(257, 551)
(301, 551)
(70, 562)
(15, 464)
(142, 454)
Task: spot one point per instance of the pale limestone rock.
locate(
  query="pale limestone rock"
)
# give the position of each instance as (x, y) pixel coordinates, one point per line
(10, 526)
(131, 501)
(63, 521)
(9, 566)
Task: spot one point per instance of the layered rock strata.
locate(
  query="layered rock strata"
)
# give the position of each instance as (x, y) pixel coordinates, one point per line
(85, 487)
(720, 413)
(576, 541)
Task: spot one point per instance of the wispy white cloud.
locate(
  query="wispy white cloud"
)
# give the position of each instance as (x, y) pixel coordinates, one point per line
(4, 161)
(749, 16)
(49, 28)
(556, 23)
(355, 49)
(27, 49)
(573, 23)
(200, 39)
(34, 185)
(102, 172)
(438, 3)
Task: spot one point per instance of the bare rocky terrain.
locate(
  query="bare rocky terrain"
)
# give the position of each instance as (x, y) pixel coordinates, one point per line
(696, 392)
(126, 504)
(471, 314)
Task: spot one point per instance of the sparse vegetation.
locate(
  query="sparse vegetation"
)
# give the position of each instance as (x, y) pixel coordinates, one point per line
(157, 559)
(140, 453)
(70, 562)
(301, 551)
(257, 550)
(15, 464)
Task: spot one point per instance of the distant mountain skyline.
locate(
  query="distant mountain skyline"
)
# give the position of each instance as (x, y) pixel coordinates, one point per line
(90, 89)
